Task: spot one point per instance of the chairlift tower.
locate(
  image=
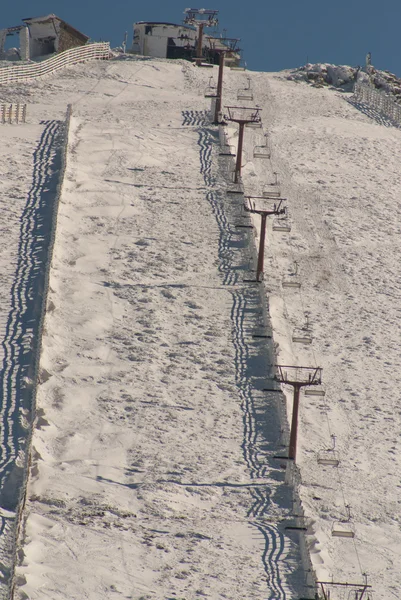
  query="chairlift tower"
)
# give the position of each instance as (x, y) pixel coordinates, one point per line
(241, 115)
(222, 46)
(257, 205)
(200, 18)
(297, 377)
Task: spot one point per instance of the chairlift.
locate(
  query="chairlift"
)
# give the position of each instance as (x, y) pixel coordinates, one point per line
(343, 528)
(254, 124)
(227, 150)
(282, 225)
(291, 283)
(315, 392)
(294, 281)
(245, 93)
(262, 151)
(328, 457)
(275, 182)
(271, 192)
(232, 176)
(241, 66)
(237, 189)
(203, 62)
(211, 90)
(298, 524)
(301, 336)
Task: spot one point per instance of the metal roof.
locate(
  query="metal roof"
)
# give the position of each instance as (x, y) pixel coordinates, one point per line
(163, 23)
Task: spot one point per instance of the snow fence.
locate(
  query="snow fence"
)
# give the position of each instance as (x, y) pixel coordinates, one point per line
(96, 51)
(379, 100)
(34, 369)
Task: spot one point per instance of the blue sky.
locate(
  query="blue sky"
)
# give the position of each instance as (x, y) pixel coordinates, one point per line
(274, 35)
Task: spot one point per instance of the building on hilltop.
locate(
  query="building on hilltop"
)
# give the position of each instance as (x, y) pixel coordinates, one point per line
(51, 34)
(163, 40)
(41, 36)
(169, 40)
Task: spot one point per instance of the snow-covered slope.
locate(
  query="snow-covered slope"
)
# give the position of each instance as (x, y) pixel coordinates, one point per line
(153, 473)
(339, 171)
(149, 478)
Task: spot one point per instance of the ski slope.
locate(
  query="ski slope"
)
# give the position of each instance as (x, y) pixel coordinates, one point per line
(153, 473)
(339, 170)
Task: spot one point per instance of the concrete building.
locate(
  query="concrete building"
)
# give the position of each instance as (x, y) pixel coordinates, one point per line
(163, 40)
(41, 36)
(169, 40)
(51, 34)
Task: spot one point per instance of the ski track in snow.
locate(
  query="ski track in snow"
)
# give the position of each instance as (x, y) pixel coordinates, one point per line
(274, 540)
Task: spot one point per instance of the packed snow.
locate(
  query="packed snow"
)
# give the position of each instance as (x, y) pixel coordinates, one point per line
(153, 471)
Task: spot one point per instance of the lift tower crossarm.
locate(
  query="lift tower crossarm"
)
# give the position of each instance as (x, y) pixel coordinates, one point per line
(359, 593)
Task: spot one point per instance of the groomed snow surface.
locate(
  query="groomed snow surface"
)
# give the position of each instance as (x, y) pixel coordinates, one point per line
(153, 473)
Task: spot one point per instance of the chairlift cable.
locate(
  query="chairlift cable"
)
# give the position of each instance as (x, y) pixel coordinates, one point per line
(325, 401)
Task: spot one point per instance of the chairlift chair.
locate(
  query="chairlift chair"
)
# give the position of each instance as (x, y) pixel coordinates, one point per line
(262, 151)
(343, 528)
(211, 90)
(299, 523)
(301, 336)
(235, 188)
(271, 192)
(293, 280)
(231, 191)
(328, 456)
(240, 67)
(291, 283)
(315, 392)
(227, 150)
(281, 225)
(245, 93)
(232, 175)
